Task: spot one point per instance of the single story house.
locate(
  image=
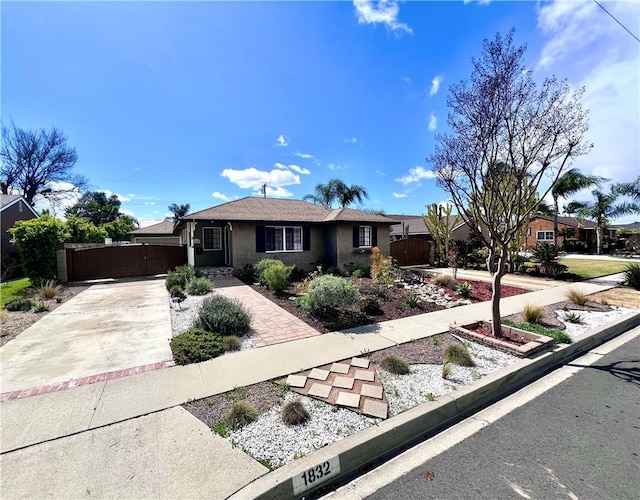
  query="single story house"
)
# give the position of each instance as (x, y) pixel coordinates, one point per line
(246, 230)
(413, 227)
(541, 230)
(13, 208)
(161, 232)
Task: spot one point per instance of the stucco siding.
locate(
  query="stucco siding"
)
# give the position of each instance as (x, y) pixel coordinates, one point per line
(348, 257)
(8, 217)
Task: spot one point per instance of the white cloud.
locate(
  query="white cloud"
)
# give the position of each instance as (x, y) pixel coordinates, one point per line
(433, 122)
(150, 221)
(275, 192)
(380, 173)
(382, 12)
(582, 43)
(252, 178)
(120, 197)
(399, 195)
(282, 141)
(303, 155)
(415, 175)
(353, 140)
(220, 196)
(295, 168)
(435, 85)
(333, 166)
(62, 203)
(149, 203)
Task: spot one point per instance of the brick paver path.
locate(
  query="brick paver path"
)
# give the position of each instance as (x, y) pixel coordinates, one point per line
(270, 323)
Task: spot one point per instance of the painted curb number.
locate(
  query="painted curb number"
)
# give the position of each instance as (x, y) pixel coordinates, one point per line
(315, 475)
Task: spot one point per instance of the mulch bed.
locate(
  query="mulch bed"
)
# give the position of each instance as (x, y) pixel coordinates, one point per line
(481, 290)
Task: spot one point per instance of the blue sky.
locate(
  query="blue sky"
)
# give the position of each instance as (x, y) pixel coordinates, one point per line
(203, 102)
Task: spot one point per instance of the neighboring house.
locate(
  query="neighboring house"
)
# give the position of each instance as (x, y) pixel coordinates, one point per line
(413, 227)
(246, 230)
(540, 230)
(13, 208)
(157, 233)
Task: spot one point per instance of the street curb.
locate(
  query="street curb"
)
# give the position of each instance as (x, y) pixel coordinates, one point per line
(357, 451)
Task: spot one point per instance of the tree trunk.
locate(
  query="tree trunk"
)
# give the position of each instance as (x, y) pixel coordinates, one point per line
(555, 220)
(599, 234)
(496, 277)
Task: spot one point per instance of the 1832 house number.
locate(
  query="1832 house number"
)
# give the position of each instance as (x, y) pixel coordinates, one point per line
(315, 475)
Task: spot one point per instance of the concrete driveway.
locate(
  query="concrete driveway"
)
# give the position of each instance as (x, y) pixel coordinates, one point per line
(104, 329)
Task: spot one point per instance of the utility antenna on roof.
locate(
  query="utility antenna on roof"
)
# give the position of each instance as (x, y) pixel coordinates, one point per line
(264, 190)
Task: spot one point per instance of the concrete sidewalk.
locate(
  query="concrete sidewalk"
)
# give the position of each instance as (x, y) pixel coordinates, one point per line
(51, 420)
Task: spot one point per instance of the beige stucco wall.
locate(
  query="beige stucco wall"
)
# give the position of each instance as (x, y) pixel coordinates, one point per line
(350, 258)
(244, 249)
(8, 217)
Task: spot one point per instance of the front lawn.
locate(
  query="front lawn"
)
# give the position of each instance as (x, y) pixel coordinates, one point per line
(587, 269)
(15, 289)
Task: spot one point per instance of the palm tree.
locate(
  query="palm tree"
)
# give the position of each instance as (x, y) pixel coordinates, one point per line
(631, 189)
(602, 209)
(569, 184)
(336, 190)
(179, 210)
(544, 208)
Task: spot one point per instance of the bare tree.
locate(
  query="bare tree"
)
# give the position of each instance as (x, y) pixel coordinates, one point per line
(506, 137)
(38, 163)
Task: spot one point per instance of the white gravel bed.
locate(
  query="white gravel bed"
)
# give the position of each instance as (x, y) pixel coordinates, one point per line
(272, 442)
(406, 391)
(590, 319)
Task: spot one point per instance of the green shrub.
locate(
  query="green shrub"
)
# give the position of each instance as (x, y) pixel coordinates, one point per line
(49, 289)
(247, 273)
(231, 343)
(444, 280)
(242, 413)
(559, 336)
(463, 290)
(632, 276)
(381, 267)
(572, 317)
(458, 354)
(222, 315)
(547, 255)
(181, 275)
(362, 272)
(194, 346)
(38, 240)
(19, 305)
(199, 286)
(221, 429)
(395, 364)
(410, 300)
(262, 266)
(294, 413)
(40, 307)
(276, 276)
(533, 313)
(327, 293)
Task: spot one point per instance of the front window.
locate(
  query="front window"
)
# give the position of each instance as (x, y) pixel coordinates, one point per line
(283, 239)
(212, 238)
(544, 236)
(364, 236)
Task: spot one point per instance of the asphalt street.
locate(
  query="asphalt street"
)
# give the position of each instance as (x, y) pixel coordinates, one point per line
(580, 439)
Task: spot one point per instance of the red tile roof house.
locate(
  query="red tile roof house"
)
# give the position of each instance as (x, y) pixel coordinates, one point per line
(13, 208)
(541, 230)
(246, 230)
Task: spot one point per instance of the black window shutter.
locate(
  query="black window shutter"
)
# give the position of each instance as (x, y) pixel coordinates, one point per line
(306, 238)
(374, 236)
(356, 236)
(260, 239)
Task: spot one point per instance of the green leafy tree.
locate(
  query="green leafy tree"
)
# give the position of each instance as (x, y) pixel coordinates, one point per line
(119, 229)
(38, 239)
(83, 231)
(604, 208)
(38, 163)
(569, 184)
(96, 207)
(502, 121)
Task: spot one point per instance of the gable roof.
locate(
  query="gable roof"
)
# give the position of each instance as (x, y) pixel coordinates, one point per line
(254, 209)
(630, 226)
(7, 200)
(164, 227)
(417, 226)
(570, 221)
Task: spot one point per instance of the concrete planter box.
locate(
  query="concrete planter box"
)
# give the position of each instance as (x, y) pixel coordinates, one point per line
(532, 342)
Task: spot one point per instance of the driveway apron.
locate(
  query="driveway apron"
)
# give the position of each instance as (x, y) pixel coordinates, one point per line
(102, 330)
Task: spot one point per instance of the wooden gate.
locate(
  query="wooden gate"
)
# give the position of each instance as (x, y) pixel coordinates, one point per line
(123, 261)
(410, 252)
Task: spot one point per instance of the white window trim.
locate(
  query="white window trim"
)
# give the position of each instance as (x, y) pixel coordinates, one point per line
(212, 239)
(544, 236)
(284, 240)
(370, 237)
